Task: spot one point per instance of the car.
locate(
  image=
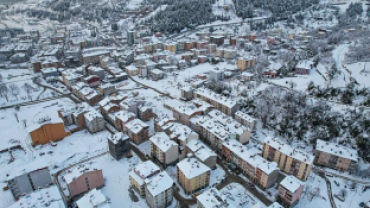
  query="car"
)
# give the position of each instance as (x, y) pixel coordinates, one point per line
(336, 183)
(145, 88)
(195, 195)
(362, 204)
(269, 193)
(329, 175)
(5, 188)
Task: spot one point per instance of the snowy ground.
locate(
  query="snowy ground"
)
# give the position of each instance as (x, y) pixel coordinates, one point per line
(126, 85)
(238, 196)
(353, 196)
(216, 176)
(58, 86)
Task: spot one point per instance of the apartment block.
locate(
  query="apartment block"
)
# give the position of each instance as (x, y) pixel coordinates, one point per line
(186, 93)
(335, 156)
(246, 62)
(163, 149)
(192, 175)
(290, 191)
(137, 130)
(119, 146)
(246, 120)
(158, 190)
(140, 173)
(202, 152)
(94, 121)
(291, 161)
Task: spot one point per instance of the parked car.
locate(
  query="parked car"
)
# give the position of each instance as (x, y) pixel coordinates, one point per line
(336, 183)
(329, 175)
(362, 204)
(269, 193)
(195, 195)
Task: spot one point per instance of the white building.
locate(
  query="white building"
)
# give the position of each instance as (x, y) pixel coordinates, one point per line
(140, 173)
(202, 152)
(94, 121)
(93, 199)
(158, 190)
(163, 149)
(246, 120)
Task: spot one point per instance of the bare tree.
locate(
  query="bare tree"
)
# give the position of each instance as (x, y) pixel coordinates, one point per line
(343, 193)
(14, 89)
(4, 91)
(28, 89)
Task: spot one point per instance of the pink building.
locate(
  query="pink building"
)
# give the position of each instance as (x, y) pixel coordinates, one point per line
(83, 178)
(290, 191)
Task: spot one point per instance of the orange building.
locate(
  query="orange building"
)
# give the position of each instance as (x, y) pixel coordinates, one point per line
(47, 130)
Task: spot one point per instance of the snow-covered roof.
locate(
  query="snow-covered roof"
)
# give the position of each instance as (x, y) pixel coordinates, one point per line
(247, 58)
(247, 74)
(216, 97)
(91, 95)
(79, 170)
(289, 151)
(163, 142)
(291, 183)
(201, 151)
(43, 122)
(131, 67)
(232, 125)
(93, 199)
(156, 71)
(92, 115)
(30, 167)
(117, 137)
(163, 119)
(275, 205)
(158, 183)
(191, 167)
(136, 125)
(124, 116)
(181, 131)
(143, 171)
(245, 116)
(338, 150)
(46, 197)
(305, 65)
(213, 198)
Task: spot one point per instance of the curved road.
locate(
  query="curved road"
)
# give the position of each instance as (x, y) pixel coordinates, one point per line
(330, 195)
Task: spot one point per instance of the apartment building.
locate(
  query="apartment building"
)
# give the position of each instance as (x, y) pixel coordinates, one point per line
(290, 191)
(213, 198)
(38, 199)
(29, 178)
(246, 120)
(163, 149)
(217, 74)
(246, 62)
(122, 118)
(202, 152)
(47, 129)
(94, 121)
(84, 178)
(335, 156)
(140, 173)
(158, 190)
(257, 169)
(192, 175)
(181, 134)
(119, 146)
(145, 111)
(225, 105)
(93, 199)
(291, 161)
(137, 130)
(183, 113)
(186, 93)
(162, 120)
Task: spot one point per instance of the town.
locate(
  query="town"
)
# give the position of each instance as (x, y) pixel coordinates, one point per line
(124, 103)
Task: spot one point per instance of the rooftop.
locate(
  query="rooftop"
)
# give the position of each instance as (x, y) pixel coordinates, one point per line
(143, 171)
(93, 199)
(191, 167)
(117, 137)
(136, 126)
(338, 150)
(158, 183)
(291, 183)
(47, 197)
(163, 142)
(78, 171)
(201, 151)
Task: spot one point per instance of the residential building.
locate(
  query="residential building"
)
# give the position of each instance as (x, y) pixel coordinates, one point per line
(92, 55)
(218, 40)
(46, 130)
(131, 37)
(158, 190)
(202, 152)
(28, 178)
(98, 71)
(92, 80)
(303, 67)
(132, 70)
(132, 104)
(83, 178)
(335, 156)
(257, 169)
(216, 74)
(247, 76)
(119, 145)
(38, 199)
(246, 62)
(291, 161)
(163, 149)
(184, 113)
(140, 173)
(186, 93)
(93, 199)
(94, 121)
(146, 111)
(225, 105)
(156, 74)
(107, 88)
(229, 53)
(275, 205)
(192, 175)
(161, 121)
(290, 190)
(213, 198)
(246, 120)
(137, 130)
(122, 118)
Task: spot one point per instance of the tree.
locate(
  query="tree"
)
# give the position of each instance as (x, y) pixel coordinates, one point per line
(4, 91)
(28, 89)
(14, 89)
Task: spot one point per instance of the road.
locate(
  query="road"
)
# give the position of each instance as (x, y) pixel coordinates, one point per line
(330, 195)
(147, 86)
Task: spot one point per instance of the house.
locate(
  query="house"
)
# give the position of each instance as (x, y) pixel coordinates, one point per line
(163, 149)
(92, 80)
(74, 117)
(216, 74)
(94, 121)
(246, 120)
(132, 104)
(197, 83)
(122, 118)
(157, 74)
(119, 146)
(93, 199)
(226, 105)
(92, 55)
(218, 40)
(257, 169)
(290, 191)
(146, 111)
(28, 178)
(48, 73)
(192, 175)
(303, 67)
(272, 70)
(83, 178)
(202, 152)
(107, 88)
(291, 161)
(335, 156)
(186, 93)
(140, 173)
(50, 196)
(213, 198)
(158, 190)
(184, 113)
(98, 71)
(46, 130)
(137, 131)
(246, 62)
(132, 70)
(161, 121)
(181, 134)
(247, 76)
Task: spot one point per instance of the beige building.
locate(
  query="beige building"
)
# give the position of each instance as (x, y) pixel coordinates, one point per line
(246, 120)
(140, 173)
(202, 152)
(163, 149)
(246, 62)
(158, 190)
(192, 175)
(335, 156)
(291, 161)
(132, 70)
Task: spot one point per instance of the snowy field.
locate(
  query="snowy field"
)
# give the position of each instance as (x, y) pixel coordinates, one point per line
(314, 193)
(238, 196)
